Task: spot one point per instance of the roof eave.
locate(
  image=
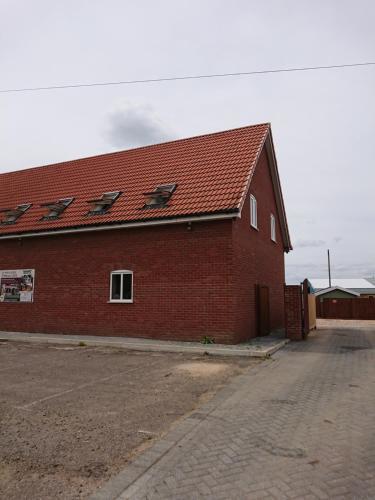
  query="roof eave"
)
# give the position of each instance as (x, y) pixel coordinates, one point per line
(228, 214)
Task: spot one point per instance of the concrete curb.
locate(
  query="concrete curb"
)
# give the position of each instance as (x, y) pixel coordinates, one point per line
(149, 345)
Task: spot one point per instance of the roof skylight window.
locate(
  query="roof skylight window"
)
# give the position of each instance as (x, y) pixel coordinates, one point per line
(56, 208)
(12, 214)
(103, 204)
(160, 196)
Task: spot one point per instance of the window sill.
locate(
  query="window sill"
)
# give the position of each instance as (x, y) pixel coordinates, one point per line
(254, 227)
(119, 302)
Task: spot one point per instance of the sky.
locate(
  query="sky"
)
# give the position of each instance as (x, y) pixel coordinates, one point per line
(323, 122)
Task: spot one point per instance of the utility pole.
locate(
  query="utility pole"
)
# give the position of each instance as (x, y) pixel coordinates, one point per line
(329, 270)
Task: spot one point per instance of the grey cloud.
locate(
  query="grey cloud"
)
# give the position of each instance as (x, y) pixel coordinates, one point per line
(354, 269)
(136, 125)
(337, 239)
(298, 272)
(309, 243)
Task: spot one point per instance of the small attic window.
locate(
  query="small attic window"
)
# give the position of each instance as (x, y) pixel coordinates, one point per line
(160, 196)
(253, 212)
(273, 228)
(56, 208)
(12, 214)
(103, 204)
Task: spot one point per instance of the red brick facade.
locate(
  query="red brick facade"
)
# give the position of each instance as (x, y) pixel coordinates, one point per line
(182, 282)
(188, 282)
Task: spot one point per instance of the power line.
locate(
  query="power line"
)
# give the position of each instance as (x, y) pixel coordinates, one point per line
(186, 77)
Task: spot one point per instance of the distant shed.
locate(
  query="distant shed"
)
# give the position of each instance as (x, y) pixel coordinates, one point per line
(336, 292)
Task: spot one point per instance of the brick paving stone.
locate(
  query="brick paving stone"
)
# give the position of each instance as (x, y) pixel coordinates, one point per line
(300, 425)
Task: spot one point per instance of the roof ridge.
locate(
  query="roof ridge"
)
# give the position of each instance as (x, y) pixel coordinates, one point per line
(137, 148)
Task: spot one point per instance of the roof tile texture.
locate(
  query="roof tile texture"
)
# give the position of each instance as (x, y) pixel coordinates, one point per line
(211, 172)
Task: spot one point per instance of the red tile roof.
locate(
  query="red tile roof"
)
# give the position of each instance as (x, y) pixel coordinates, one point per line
(211, 173)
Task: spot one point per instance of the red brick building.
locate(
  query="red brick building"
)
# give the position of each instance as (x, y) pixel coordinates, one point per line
(167, 241)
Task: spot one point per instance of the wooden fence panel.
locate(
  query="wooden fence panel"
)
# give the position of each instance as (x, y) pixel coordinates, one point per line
(312, 311)
(363, 308)
(359, 308)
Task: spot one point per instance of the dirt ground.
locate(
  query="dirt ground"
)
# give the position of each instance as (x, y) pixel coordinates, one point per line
(71, 416)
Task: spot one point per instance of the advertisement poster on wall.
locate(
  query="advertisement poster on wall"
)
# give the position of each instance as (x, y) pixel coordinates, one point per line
(17, 285)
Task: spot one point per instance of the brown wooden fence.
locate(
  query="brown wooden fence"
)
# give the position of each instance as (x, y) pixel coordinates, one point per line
(359, 308)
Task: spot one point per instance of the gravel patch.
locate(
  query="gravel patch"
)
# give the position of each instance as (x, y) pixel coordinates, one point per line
(72, 417)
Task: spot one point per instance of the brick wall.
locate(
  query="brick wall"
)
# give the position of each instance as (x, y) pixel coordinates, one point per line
(183, 282)
(257, 259)
(293, 312)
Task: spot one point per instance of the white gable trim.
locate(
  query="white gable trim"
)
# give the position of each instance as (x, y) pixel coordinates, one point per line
(270, 150)
(332, 288)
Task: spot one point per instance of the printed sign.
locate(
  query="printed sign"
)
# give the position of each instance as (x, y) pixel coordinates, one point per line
(17, 285)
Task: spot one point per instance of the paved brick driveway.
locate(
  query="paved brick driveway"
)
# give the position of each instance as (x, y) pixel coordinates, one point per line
(302, 426)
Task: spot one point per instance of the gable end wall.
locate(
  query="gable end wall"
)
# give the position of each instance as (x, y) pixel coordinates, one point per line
(257, 259)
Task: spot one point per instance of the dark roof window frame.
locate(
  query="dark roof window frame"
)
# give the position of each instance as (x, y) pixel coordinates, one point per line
(56, 208)
(160, 196)
(13, 214)
(101, 205)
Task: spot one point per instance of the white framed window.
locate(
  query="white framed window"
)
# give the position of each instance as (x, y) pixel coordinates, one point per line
(121, 289)
(253, 212)
(273, 228)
